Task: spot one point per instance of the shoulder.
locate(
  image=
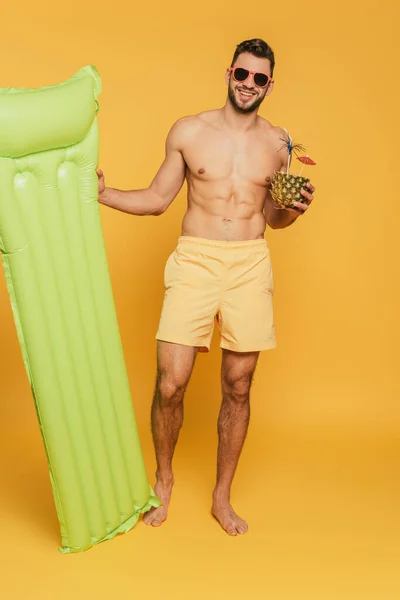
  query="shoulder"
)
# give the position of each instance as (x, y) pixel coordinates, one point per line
(183, 130)
(274, 132)
(278, 132)
(210, 117)
(279, 136)
(276, 138)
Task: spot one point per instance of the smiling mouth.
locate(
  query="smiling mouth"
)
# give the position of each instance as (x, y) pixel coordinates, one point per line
(246, 94)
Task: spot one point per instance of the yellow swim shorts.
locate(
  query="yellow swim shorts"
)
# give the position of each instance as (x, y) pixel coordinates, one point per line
(227, 282)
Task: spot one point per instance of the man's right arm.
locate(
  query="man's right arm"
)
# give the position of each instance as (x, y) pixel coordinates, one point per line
(165, 186)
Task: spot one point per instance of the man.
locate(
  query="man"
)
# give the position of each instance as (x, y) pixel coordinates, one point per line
(221, 267)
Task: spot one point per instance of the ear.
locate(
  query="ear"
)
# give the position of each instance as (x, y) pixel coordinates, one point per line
(227, 76)
(270, 87)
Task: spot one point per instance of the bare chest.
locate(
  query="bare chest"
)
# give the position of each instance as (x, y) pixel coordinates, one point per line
(247, 158)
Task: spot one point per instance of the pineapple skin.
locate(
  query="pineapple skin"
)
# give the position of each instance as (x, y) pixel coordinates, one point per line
(285, 188)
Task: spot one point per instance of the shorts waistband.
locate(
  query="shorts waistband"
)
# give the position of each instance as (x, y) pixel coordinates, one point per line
(235, 245)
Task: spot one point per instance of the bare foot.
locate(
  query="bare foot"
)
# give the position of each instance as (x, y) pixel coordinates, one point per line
(228, 519)
(156, 516)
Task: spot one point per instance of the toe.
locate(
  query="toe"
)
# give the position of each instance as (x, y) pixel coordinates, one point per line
(152, 519)
(156, 523)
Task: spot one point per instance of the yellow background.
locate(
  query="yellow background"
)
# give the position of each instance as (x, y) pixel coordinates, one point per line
(318, 480)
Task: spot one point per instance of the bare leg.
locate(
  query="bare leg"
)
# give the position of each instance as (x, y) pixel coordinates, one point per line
(237, 374)
(174, 368)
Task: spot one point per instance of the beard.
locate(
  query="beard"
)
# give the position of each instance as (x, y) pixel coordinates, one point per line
(243, 110)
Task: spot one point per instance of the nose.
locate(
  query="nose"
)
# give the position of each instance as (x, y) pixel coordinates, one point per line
(249, 81)
(249, 85)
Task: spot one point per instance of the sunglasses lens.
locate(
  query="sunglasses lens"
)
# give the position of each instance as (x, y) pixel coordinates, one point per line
(260, 79)
(240, 74)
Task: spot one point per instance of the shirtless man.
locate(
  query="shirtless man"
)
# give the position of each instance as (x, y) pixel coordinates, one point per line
(221, 267)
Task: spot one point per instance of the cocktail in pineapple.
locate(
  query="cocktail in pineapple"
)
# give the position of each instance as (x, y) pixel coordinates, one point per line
(285, 186)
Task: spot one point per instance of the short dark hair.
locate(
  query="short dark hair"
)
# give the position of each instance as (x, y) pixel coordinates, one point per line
(258, 48)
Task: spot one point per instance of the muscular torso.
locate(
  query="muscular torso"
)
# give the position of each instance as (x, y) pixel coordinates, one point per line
(228, 177)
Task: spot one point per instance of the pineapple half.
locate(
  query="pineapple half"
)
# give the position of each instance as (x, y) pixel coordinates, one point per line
(285, 188)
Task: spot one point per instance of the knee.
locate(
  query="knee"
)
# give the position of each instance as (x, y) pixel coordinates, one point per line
(237, 389)
(170, 391)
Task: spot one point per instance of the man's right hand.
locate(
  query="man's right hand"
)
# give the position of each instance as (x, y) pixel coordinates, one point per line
(102, 185)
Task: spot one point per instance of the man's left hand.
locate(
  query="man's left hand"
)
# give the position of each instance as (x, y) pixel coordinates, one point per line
(301, 207)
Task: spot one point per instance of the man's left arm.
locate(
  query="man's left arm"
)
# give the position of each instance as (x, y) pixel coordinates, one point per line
(279, 218)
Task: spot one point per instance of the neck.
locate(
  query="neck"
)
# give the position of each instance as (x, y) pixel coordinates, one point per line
(236, 120)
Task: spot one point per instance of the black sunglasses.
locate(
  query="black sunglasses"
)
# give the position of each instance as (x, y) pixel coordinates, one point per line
(260, 79)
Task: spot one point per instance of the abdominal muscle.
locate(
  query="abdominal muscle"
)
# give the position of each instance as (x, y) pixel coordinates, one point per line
(225, 219)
